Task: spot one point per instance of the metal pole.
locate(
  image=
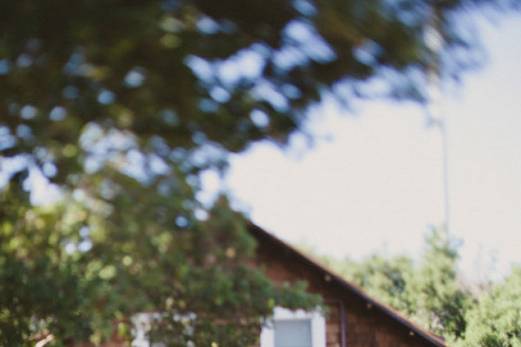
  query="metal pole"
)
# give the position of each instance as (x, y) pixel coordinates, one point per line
(436, 112)
(445, 154)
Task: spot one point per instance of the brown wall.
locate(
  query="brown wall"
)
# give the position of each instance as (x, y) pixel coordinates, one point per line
(364, 325)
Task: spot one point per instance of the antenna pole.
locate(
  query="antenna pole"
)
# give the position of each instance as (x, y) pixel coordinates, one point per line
(436, 113)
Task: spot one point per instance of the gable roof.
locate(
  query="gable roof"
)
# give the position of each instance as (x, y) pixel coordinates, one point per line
(264, 236)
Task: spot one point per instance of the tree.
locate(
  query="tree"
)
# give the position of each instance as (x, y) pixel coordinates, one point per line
(78, 272)
(440, 301)
(428, 291)
(384, 278)
(122, 104)
(179, 77)
(496, 320)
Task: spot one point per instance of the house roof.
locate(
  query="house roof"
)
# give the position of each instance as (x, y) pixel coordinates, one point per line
(264, 236)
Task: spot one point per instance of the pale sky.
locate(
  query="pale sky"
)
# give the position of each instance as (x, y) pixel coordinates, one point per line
(376, 186)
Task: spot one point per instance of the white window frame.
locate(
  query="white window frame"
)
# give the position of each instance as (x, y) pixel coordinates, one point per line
(318, 326)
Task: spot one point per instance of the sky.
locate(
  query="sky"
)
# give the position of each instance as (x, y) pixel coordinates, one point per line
(373, 180)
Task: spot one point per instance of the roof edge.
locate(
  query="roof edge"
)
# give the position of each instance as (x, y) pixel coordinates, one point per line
(335, 277)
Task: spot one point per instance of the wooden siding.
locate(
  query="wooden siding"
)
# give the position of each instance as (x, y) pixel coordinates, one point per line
(364, 324)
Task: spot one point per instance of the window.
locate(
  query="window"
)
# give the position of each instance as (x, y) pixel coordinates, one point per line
(294, 329)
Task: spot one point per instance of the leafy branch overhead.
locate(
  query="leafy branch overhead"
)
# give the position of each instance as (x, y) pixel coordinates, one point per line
(178, 75)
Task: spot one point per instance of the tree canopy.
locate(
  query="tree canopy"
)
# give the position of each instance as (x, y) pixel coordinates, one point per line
(496, 321)
(121, 104)
(178, 76)
(430, 292)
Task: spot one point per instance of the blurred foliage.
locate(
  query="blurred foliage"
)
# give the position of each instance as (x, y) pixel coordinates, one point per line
(122, 104)
(429, 292)
(181, 78)
(496, 321)
(80, 268)
(440, 300)
(383, 278)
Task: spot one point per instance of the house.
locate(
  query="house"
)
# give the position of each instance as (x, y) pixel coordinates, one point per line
(354, 319)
